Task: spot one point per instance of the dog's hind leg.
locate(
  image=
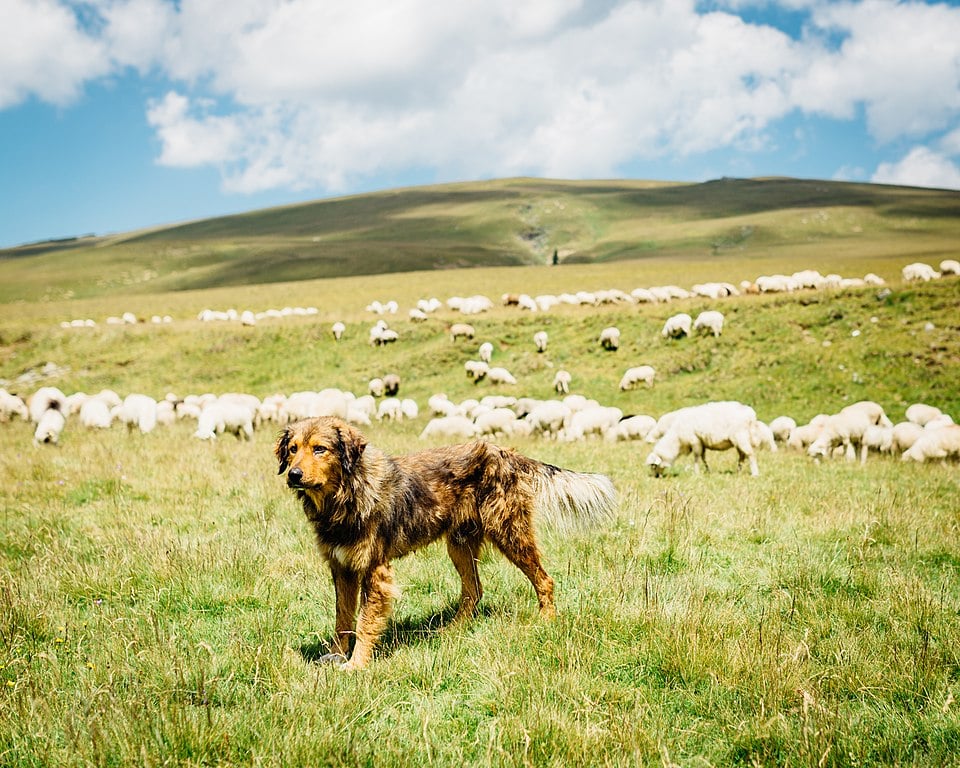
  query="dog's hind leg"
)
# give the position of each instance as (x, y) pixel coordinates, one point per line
(464, 552)
(522, 552)
(377, 592)
(346, 584)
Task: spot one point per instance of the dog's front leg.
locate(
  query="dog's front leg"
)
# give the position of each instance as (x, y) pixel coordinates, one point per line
(346, 584)
(377, 592)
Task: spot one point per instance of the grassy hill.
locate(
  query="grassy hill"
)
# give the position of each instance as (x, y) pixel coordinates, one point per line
(500, 223)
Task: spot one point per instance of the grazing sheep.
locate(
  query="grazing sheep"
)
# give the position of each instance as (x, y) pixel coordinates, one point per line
(590, 421)
(709, 321)
(876, 438)
(846, 429)
(715, 426)
(137, 412)
(498, 421)
(441, 405)
(391, 384)
(391, 409)
(919, 271)
(461, 329)
(49, 426)
(921, 413)
(247, 318)
(610, 339)
(631, 428)
(337, 329)
(941, 443)
(498, 375)
(376, 387)
(12, 405)
(452, 427)
(677, 326)
(224, 416)
(409, 408)
(904, 435)
(633, 376)
(486, 351)
(361, 410)
(476, 369)
(781, 427)
(43, 400)
(561, 382)
(417, 315)
(540, 339)
(950, 267)
(548, 417)
(95, 413)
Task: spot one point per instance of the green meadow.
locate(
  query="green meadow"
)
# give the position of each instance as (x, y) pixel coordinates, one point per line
(162, 601)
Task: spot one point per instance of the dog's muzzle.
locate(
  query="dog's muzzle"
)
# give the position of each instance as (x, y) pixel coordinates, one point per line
(295, 478)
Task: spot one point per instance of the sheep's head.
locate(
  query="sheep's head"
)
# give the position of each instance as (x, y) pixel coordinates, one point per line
(657, 465)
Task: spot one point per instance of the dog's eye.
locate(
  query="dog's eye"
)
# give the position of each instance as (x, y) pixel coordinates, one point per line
(293, 448)
(318, 449)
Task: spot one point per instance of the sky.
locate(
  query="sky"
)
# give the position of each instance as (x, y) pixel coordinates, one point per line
(117, 115)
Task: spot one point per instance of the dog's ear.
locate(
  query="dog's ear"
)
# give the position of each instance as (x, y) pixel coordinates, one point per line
(282, 450)
(350, 445)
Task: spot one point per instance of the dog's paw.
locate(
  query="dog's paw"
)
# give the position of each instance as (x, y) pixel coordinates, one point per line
(332, 658)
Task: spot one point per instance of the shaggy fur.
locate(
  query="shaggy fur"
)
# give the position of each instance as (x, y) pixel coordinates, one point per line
(368, 508)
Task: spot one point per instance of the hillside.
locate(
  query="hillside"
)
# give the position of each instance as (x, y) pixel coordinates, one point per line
(500, 223)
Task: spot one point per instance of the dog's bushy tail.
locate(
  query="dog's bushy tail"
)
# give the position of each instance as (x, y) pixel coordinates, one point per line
(568, 500)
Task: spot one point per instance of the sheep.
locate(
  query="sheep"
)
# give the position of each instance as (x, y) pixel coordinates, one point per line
(417, 315)
(441, 405)
(709, 321)
(137, 411)
(409, 408)
(49, 426)
(247, 318)
(716, 426)
(461, 329)
(589, 421)
(95, 413)
(633, 376)
(12, 405)
(776, 284)
(876, 438)
(499, 375)
(847, 428)
(676, 326)
(941, 443)
(449, 427)
(630, 428)
(225, 416)
(561, 382)
(43, 400)
(390, 408)
(904, 435)
(540, 339)
(610, 339)
(375, 386)
(495, 422)
(337, 329)
(361, 410)
(391, 384)
(486, 351)
(781, 427)
(548, 416)
(921, 413)
(476, 369)
(919, 271)
(950, 267)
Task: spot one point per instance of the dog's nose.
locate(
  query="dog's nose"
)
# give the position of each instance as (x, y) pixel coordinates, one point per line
(295, 476)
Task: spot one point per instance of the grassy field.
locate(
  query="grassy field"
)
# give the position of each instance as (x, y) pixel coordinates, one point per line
(162, 602)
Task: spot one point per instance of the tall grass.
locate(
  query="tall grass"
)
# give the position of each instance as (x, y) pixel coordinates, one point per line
(162, 602)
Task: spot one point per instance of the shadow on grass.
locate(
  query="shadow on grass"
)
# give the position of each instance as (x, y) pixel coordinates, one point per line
(408, 631)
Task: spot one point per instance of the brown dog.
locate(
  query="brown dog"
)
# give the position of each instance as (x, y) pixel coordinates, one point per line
(368, 508)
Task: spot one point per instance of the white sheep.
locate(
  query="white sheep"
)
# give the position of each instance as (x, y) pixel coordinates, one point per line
(137, 412)
(715, 426)
(224, 416)
(876, 438)
(458, 330)
(540, 339)
(610, 339)
(449, 427)
(361, 410)
(941, 443)
(950, 267)
(634, 376)
(676, 326)
(498, 375)
(781, 427)
(498, 421)
(709, 321)
(49, 426)
(391, 384)
(409, 408)
(846, 429)
(561, 382)
(631, 428)
(594, 420)
(919, 271)
(548, 417)
(417, 315)
(337, 329)
(921, 413)
(247, 318)
(12, 405)
(390, 408)
(904, 435)
(486, 351)
(95, 413)
(375, 386)
(476, 369)
(43, 400)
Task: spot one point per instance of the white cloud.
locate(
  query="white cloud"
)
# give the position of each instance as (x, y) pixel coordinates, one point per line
(190, 140)
(921, 167)
(44, 52)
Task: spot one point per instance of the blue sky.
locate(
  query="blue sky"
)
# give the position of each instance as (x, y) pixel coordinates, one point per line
(122, 114)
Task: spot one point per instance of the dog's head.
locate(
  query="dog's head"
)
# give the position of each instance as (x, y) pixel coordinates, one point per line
(319, 453)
